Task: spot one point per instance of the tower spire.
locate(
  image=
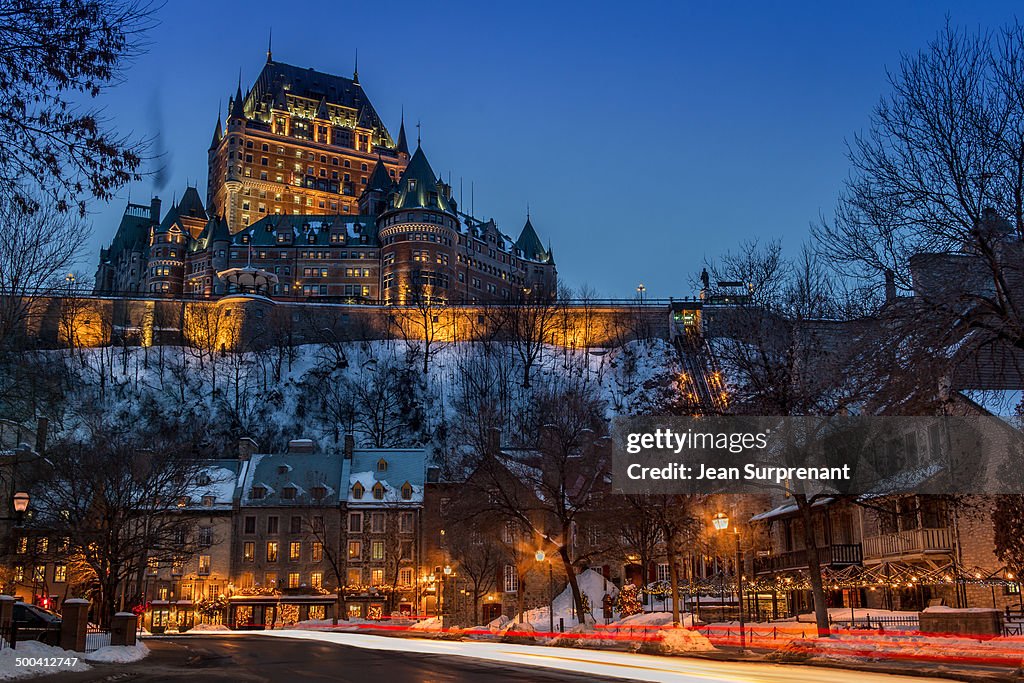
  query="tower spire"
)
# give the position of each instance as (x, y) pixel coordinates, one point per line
(355, 72)
(237, 106)
(417, 133)
(402, 146)
(270, 42)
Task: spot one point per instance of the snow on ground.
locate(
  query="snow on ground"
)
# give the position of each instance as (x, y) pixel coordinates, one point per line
(206, 628)
(39, 654)
(638, 667)
(591, 583)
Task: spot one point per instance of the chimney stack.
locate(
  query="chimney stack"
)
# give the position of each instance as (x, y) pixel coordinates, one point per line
(301, 446)
(246, 447)
(890, 286)
(154, 209)
(350, 445)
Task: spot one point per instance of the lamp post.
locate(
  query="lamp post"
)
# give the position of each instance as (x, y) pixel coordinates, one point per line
(444, 591)
(721, 523)
(20, 503)
(640, 289)
(551, 592)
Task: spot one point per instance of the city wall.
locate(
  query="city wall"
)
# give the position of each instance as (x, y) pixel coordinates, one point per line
(245, 322)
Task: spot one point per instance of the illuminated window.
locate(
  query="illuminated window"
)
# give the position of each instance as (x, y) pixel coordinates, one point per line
(316, 580)
(295, 551)
(317, 551)
(377, 550)
(60, 573)
(249, 551)
(378, 491)
(355, 550)
(293, 579)
(204, 564)
(376, 577)
(272, 551)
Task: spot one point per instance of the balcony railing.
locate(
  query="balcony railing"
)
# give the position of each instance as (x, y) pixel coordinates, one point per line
(838, 555)
(910, 542)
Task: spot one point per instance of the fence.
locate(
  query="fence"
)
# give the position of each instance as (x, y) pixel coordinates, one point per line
(880, 623)
(96, 637)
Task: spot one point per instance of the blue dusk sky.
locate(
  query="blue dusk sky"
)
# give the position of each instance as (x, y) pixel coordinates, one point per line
(644, 136)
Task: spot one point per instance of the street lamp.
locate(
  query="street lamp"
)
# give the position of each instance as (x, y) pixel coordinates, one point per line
(20, 503)
(551, 592)
(721, 522)
(640, 289)
(444, 592)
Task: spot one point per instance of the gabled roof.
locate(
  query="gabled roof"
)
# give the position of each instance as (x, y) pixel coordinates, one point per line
(418, 187)
(301, 471)
(404, 465)
(191, 204)
(132, 232)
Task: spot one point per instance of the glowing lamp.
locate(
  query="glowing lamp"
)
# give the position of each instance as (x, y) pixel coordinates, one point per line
(20, 501)
(720, 521)
(540, 556)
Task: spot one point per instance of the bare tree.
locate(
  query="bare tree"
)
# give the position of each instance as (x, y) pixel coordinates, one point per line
(55, 54)
(527, 323)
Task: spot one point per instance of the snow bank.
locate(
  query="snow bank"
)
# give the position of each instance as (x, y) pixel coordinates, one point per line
(591, 583)
(206, 628)
(31, 649)
(679, 640)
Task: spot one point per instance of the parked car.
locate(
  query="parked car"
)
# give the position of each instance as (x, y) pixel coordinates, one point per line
(36, 623)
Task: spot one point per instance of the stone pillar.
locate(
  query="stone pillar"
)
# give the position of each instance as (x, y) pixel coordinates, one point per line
(122, 629)
(74, 615)
(6, 610)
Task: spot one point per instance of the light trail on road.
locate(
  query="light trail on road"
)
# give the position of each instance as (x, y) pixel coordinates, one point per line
(653, 669)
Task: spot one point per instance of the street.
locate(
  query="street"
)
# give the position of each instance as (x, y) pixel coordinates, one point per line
(239, 659)
(360, 658)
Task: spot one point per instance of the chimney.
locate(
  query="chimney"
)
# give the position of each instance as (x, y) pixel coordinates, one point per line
(246, 447)
(890, 286)
(154, 209)
(301, 446)
(493, 441)
(42, 425)
(350, 445)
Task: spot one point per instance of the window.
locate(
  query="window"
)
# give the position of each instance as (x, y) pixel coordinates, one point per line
(382, 464)
(358, 491)
(663, 572)
(271, 551)
(377, 522)
(23, 545)
(249, 551)
(406, 491)
(272, 524)
(19, 573)
(258, 493)
(318, 492)
(317, 551)
(405, 522)
(405, 576)
(295, 551)
(39, 573)
(355, 550)
(355, 522)
(288, 493)
(405, 550)
(354, 577)
(316, 580)
(205, 536)
(377, 550)
(249, 527)
(511, 579)
(376, 577)
(378, 491)
(270, 579)
(296, 524)
(247, 579)
(293, 579)
(60, 573)
(208, 501)
(204, 564)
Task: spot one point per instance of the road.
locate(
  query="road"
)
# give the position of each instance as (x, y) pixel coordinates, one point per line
(298, 656)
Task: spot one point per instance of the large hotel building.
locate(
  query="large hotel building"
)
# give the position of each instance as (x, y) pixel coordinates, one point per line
(308, 195)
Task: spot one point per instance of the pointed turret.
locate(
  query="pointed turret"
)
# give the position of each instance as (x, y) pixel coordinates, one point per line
(355, 71)
(270, 42)
(418, 187)
(403, 145)
(216, 133)
(373, 201)
(238, 104)
(379, 179)
(529, 243)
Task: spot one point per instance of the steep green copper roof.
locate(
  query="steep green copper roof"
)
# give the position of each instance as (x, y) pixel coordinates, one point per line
(418, 187)
(379, 179)
(529, 243)
(300, 228)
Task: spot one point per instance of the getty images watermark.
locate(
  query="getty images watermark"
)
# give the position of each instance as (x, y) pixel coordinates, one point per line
(842, 455)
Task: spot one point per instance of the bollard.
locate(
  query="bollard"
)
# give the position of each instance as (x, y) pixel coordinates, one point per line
(122, 629)
(74, 614)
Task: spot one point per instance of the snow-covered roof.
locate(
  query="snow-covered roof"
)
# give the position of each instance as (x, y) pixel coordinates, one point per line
(392, 469)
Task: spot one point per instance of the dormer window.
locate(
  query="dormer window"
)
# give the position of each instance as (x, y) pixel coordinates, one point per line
(282, 469)
(258, 493)
(318, 492)
(382, 465)
(288, 493)
(406, 491)
(412, 184)
(203, 479)
(378, 491)
(358, 491)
